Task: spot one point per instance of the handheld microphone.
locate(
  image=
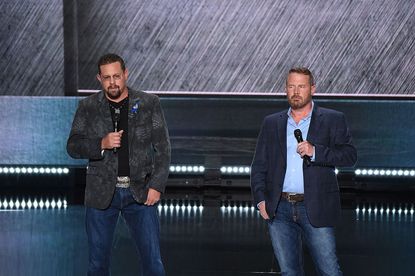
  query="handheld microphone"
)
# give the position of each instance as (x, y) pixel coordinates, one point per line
(299, 136)
(117, 114)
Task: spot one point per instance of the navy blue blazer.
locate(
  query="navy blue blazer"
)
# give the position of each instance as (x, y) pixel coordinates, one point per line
(331, 137)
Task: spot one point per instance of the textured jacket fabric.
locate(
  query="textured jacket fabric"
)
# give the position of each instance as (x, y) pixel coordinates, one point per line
(149, 147)
(330, 135)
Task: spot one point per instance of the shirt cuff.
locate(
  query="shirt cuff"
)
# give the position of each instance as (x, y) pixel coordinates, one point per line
(313, 157)
(260, 203)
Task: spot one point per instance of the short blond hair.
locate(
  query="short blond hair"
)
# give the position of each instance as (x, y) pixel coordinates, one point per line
(303, 71)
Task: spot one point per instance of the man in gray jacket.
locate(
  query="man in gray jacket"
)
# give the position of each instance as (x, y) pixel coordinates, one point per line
(123, 134)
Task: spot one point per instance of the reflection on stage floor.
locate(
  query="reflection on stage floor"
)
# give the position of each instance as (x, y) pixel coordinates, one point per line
(228, 238)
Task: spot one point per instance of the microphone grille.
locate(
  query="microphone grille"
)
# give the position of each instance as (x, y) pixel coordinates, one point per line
(297, 132)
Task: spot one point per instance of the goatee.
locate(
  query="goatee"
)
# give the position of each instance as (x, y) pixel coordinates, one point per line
(113, 92)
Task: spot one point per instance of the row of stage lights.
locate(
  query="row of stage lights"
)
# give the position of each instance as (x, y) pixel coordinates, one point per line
(240, 209)
(406, 212)
(246, 170)
(192, 207)
(182, 208)
(226, 170)
(201, 169)
(235, 170)
(394, 213)
(33, 170)
(187, 169)
(385, 210)
(16, 204)
(369, 210)
(385, 172)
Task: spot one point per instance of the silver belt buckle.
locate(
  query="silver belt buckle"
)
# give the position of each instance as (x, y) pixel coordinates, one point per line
(289, 197)
(123, 182)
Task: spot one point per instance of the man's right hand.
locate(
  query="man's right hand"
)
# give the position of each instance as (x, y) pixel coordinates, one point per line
(262, 210)
(112, 140)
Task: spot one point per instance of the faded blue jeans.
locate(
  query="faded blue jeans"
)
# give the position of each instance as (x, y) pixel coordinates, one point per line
(143, 224)
(289, 228)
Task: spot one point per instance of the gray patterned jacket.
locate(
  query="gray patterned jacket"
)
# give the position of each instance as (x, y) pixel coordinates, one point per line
(149, 147)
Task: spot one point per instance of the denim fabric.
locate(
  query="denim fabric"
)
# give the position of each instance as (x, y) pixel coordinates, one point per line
(289, 228)
(143, 224)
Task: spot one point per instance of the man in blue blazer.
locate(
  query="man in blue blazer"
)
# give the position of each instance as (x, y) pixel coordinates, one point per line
(123, 134)
(293, 182)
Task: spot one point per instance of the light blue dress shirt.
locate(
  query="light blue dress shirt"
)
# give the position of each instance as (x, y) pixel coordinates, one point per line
(294, 179)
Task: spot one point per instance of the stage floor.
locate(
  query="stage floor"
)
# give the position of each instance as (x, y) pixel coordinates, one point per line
(208, 240)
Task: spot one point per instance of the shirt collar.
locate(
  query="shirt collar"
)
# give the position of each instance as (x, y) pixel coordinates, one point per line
(306, 117)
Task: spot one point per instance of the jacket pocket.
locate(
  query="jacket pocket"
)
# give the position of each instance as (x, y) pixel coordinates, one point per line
(91, 170)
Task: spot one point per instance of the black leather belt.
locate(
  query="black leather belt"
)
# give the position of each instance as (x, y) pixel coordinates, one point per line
(292, 197)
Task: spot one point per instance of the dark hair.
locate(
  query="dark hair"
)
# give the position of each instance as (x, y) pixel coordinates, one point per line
(110, 58)
(304, 71)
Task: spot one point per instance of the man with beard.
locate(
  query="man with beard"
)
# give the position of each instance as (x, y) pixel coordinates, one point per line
(294, 182)
(123, 134)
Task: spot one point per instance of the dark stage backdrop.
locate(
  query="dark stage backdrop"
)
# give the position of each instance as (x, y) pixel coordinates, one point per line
(31, 48)
(208, 45)
(248, 45)
(223, 130)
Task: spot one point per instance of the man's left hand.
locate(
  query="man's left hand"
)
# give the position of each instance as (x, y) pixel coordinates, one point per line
(153, 197)
(305, 148)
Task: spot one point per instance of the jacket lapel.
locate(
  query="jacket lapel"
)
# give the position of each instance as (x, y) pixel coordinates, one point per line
(134, 106)
(105, 112)
(314, 123)
(282, 133)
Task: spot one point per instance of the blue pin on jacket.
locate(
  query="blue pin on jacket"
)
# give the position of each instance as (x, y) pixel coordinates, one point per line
(135, 107)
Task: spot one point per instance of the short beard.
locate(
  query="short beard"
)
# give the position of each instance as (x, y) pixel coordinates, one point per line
(299, 104)
(115, 94)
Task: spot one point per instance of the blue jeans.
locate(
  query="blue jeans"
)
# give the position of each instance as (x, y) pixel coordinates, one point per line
(289, 228)
(143, 223)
